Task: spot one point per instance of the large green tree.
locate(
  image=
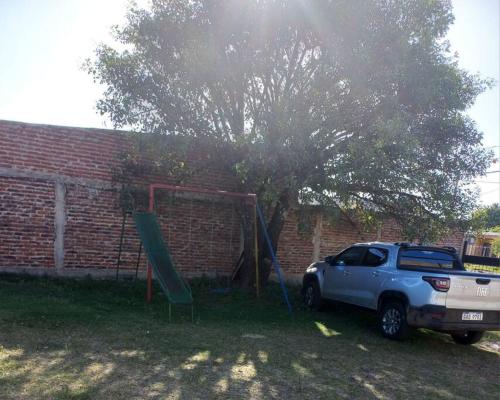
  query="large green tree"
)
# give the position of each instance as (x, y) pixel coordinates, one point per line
(486, 218)
(348, 104)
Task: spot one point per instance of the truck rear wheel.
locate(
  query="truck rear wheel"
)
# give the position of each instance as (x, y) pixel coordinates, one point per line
(393, 321)
(467, 337)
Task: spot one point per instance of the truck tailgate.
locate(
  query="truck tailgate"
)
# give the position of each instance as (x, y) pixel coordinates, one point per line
(473, 292)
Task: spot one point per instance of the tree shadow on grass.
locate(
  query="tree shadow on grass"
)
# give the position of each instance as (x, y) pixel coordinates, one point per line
(237, 348)
(186, 361)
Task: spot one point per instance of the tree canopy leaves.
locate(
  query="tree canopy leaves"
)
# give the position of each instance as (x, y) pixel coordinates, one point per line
(486, 219)
(349, 104)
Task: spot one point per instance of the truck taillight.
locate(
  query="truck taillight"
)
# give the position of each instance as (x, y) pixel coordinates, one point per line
(439, 284)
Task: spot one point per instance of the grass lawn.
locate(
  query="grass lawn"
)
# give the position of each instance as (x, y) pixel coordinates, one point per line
(482, 268)
(62, 339)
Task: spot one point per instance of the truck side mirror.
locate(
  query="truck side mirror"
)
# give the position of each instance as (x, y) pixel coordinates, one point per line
(330, 259)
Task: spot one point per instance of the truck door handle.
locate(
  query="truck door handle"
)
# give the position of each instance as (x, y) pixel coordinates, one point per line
(346, 273)
(375, 273)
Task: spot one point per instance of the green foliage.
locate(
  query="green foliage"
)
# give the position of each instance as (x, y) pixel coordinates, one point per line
(306, 219)
(346, 104)
(486, 218)
(495, 247)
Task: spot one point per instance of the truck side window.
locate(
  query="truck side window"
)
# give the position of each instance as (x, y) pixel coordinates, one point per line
(375, 257)
(351, 256)
(426, 258)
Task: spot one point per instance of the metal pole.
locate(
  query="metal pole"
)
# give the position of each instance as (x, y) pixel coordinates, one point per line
(256, 248)
(151, 198)
(276, 264)
(153, 186)
(138, 260)
(197, 190)
(149, 291)
(121, 244)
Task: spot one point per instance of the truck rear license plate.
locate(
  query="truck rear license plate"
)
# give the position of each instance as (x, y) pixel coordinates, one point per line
(472, 316)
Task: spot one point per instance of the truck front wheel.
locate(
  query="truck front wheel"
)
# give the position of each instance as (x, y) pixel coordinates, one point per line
(467, 337)
(312, 295)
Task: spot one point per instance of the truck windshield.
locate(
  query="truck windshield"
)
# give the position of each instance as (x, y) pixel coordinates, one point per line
(427, 258)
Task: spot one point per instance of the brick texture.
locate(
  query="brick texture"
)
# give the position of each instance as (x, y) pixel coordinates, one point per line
(203, 233)
(26, 223)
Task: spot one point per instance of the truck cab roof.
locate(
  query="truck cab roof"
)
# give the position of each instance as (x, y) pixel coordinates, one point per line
(399, 245)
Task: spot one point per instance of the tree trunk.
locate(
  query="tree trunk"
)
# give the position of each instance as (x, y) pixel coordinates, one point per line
(247, 272)
(274, 228)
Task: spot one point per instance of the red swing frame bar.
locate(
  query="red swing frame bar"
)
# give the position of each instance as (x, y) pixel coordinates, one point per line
(176, 188)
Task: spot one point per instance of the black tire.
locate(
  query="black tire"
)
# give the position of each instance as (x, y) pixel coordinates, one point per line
(312, 295)
(467, 337)
(393, 324)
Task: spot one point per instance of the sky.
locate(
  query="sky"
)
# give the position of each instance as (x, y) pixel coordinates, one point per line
(43, 44)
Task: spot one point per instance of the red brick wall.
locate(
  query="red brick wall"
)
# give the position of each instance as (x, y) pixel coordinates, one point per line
(337, 235)
(26, 223)
(203, 234)
(82, 153)
(92, 231)
(295, 249)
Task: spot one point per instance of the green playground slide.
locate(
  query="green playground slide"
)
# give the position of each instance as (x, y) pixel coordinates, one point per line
(176, 290)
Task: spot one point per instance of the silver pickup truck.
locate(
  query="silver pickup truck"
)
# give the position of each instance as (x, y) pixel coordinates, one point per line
(409, 286)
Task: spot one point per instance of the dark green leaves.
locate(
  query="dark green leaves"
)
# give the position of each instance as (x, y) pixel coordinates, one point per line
(357, 103)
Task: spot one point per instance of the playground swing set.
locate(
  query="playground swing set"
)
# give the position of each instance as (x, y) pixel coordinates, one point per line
(175, 288)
